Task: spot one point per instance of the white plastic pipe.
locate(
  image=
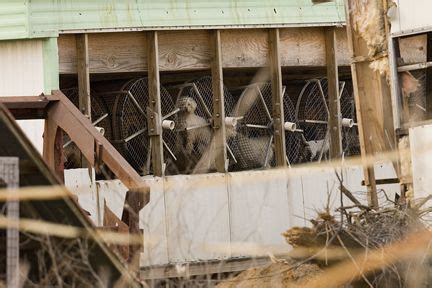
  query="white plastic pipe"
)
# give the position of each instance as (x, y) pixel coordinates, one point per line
(231, 121)
(348, 123)
(168, 124)
(290, 126)
(101, 130)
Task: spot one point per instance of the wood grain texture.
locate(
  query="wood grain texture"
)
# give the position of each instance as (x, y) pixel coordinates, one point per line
(218, 102)
(333, 95)
(413, 49)
(184, 50)
(154, 103)
(190, 50)
(277, 97)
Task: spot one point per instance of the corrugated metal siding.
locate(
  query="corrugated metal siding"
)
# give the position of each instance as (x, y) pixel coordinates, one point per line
(13, 19)
(46, 18)
(192, 217)
(22, 74)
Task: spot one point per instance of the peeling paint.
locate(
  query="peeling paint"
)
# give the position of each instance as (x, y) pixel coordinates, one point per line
(45, 18)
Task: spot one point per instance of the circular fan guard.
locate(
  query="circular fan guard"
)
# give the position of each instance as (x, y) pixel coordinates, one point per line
(312, 112)
(130, 123)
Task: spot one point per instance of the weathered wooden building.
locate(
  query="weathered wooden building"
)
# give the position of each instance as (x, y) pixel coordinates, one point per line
(98, 46)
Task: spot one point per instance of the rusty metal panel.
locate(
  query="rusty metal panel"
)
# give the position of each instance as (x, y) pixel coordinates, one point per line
(46, 18)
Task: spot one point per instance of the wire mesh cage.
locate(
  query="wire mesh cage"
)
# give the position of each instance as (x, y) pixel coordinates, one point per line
(194, 144)
(130, 124)
(293, 136)
(417, 99)
(101, 117)
(253, 143)
(350, 136)
(253, 147)
(313, 114)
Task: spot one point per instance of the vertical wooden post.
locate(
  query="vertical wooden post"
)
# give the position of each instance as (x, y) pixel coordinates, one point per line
(154, 114)
(429, 77)
(218, 102)
(333, 94)
(277, 98)
(83, 73)
(370, 97)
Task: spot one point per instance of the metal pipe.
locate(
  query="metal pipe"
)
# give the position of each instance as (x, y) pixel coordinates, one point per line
(257, 126)
(290, 126)
(168, 124)
(315, 121)
(347, 123)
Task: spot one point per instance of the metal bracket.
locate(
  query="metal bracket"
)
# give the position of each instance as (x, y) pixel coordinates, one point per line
(153, 123)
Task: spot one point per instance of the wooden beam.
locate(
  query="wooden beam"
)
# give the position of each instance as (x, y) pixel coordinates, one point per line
(218, 102)
(335, 118)
(189, 50)
(203, 268)
(429, 76)
(83, 74)
(53, 148)
(64, 114)
(154, 113)
(369, 98)
(277, 97)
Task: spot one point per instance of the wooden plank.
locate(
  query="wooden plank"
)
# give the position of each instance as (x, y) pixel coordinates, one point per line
(220, 152)
(277, 97)
(64, 114)
(154, 108)
(83, 74)
(429, 76)
(203, 268)
(184, 50)
(413, 49)
(333, 94)
(53, 148)
(189, 50)
(368, 92)
(24, 102)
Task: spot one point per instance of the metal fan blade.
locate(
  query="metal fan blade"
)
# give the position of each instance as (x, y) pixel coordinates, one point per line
(249, 96)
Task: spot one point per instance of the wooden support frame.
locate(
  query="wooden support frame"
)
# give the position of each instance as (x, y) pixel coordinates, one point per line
(218, 102)
(429, 76)
(335, 118)
(64, 114)
(370, 96)
(53, 148)
(83, 74)
(277, 97)
(154, 112)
